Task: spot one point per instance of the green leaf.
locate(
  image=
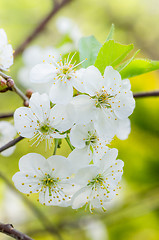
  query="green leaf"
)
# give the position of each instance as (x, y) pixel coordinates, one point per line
(111, 54)
(111, 33)
(138, 67)
(123, 65)
(88, 48)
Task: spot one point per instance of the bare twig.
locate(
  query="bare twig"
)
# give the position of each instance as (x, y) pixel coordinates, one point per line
(146, 94)
(11, 143)
(8, 229)
(48, 226)
(13, 87)
(6, 115)
(41, 26)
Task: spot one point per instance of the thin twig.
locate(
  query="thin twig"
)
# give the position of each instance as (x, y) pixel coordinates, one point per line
(40, 27)
(11, 143)
(9, 230)
(6, 115)
(14, 87)
(40, 215)
(146, 94)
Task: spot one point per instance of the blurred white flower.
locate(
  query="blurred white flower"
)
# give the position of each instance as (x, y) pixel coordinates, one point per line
(31, 56)
(7, 133)
(12, 208)
(48, 177)
(6, 51)
(40, 122)
(66, 26)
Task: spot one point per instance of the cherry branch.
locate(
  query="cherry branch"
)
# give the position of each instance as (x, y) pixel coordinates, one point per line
(41, 26)
(6, 115)
(47, 224)
(11, 143)
(9, 230)
(13, 87)
(146, 94)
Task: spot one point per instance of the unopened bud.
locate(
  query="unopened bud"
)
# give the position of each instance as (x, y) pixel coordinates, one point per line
(29, 92)
(10, 82)
(26, 103)
(3, 82)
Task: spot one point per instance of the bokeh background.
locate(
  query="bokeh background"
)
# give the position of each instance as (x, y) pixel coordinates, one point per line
(135, 214)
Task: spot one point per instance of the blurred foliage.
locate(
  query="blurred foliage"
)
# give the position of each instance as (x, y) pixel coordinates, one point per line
(136, 22)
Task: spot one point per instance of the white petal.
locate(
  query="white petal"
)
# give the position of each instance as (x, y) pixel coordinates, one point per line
(23, 118)
(60, 165)
(105, 124)
(6, 56)
(61, 92)
(42, 73)
(3, 38)
(79, 158)
(124, 128)
(79, 134)
(108, 158)
(93, 80)
(126, 84)
(40, 106)
(31, 162)
(7, 129)
(8, 151)
(25, 184)
(81, 197)
(85, 109)
(32, 55)
(85, 174)
(124, 105)
(77, 80)
(112, 79)
(62, 117)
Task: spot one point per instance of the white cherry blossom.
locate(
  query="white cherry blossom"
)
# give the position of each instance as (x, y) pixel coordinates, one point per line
(6, 51)
(108, 102)
(7, 133)
(48, 177)
(62, 75)
(41, 122)
(87, 144)
(99, 183)
(31, 56)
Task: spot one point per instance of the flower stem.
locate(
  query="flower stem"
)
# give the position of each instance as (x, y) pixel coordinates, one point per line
(56, 140)
(68, 141)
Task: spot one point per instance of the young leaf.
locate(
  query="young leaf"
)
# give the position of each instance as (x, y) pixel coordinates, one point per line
(88, 49)
(111, 33)
(111, 54)
(123, 65)
(138, 67)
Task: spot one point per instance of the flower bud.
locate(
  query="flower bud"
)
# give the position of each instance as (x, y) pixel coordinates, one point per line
(29, 92)
(10, 82)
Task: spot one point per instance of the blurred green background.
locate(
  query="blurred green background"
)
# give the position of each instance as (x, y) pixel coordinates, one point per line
(135, 215)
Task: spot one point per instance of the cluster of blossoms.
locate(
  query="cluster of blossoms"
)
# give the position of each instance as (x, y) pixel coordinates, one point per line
(85, 108)
(90, 176)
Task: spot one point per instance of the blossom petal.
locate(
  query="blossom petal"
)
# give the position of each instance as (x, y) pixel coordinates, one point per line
(124, 128)
(42, 73)
(85, 109)
(59, 166)
(81, 197)
(93, 80)
(6, 56)
(61, 92)
(85, 174)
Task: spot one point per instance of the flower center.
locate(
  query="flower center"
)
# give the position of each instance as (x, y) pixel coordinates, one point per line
(92, 139)
(44, 129)
(98, 180)
(49, 181)
(103, 100)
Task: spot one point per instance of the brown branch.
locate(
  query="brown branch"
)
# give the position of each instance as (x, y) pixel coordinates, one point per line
(13, 87)
(48, 226)
(11, 143)
(9, 230)
(146, 94)
(6, 115)
(40, 27)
